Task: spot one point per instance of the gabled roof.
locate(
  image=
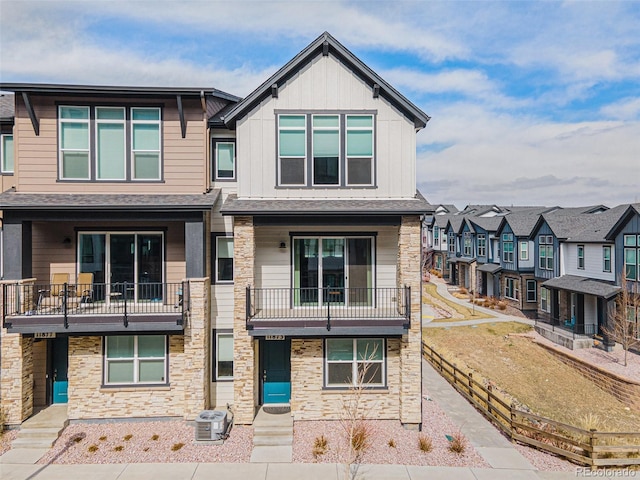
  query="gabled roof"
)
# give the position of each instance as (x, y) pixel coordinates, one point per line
(522, 221)
(599, 225)
(456, 222)
(323, 45)
(490, 224)
(589, 286)
(446, 208)
(630, 210)
(565, 222)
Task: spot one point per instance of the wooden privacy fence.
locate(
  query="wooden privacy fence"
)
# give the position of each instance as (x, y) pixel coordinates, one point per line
(588, 447)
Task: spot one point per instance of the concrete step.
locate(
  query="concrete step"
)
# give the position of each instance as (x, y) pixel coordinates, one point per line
(269, 430)
(40, 432)
(273, 441)
(33, 442)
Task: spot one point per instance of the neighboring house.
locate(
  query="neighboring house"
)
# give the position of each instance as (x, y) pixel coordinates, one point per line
(454, 248)
(487, 255)
(6, 150)
(434, 242)
(247, 252)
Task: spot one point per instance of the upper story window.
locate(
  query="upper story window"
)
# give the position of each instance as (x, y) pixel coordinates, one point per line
(322, 150)
(224, 259)
(507, 247)
(606, 258)
(452, 242)
(109, 143)
(436, 236)
(545, 253)
(580, 257)
(632, 257)
(467, 244)
(224, 159)
(482, 245)
(524, 250)
(6, 152)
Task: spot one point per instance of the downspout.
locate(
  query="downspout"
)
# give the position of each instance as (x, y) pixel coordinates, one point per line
(207, 134)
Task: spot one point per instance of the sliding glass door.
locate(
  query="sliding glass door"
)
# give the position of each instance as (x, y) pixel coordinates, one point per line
(128, 265)
(325, 268)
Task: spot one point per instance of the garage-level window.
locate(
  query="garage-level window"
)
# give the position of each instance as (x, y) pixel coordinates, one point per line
(223, 355)
(135, 359)
(355, 361)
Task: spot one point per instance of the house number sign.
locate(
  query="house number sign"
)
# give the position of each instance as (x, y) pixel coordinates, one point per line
(44, 335)
(274, 337)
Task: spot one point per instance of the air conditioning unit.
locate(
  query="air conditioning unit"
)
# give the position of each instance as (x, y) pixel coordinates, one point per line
(211, 425)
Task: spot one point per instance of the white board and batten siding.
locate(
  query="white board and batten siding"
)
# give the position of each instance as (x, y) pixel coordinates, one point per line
(326, 85)
(593, 261)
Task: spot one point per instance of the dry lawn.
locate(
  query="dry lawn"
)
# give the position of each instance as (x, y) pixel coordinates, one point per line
(532, 375)
(456, 311)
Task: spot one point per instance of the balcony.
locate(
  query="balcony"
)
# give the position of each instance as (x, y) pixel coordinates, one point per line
(328, 311)
(29, 308)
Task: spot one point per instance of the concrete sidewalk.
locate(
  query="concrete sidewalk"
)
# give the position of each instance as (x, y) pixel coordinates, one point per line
(264, 471)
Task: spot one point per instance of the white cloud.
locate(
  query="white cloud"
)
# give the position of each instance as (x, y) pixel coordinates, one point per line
(625, 109)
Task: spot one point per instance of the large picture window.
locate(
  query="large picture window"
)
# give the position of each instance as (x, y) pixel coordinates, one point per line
(355, 361)
(104, 155)
(336, 148)
(135, 359)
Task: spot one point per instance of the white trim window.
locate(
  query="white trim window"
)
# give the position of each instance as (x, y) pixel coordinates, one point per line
(507, 247)
(467, 244)
(545, 295)
(632, 257)
(606, 258)
(452, 242)
(436, 236)
(223, 357)
(145, 143)
(354, 361)
(74, 143)
(325, 145)
(135, 359)
(524, 250)
(580, 255)
(482, 245)
(545, 252)
(511, 288)
(224, 260)
(7, 154)
(531, 290)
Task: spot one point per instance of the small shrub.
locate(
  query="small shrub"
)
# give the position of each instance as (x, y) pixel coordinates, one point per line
(92, 448)
(155, 436)
(118, 448)
(176, 446)
(424, 443)
(77, 439)
(391, 443)
(463, 290)
(458, 444)
(360, 437)
(319, 446)
(103, 438)
(502, 305)
(590, 421)
(128, 437)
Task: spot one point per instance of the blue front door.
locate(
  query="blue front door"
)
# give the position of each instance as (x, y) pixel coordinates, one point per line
(60, 362)
(276, 371)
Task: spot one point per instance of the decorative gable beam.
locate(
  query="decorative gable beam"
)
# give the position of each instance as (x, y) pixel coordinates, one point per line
(376, 90)
(183, 123)
(325, 48)
(274, 90)
(32, 113)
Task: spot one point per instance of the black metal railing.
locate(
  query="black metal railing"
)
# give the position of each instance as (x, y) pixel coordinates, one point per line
(34, 299)
(568, 325)
(328, 303)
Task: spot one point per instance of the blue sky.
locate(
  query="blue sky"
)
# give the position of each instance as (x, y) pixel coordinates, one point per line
(533, 103)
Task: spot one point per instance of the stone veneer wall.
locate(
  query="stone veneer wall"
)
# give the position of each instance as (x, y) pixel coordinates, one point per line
(310, 401)
(624, 389)
(244, 385)
(410, 345)
(187, 393)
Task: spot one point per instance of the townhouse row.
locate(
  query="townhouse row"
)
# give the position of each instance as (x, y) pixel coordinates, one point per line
(561, 266)
(170, 250)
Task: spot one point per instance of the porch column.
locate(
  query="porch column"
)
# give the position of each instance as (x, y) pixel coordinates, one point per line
(16, 247)
(411, 343)
(244, 388)
(197, 347)
(16, 377)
